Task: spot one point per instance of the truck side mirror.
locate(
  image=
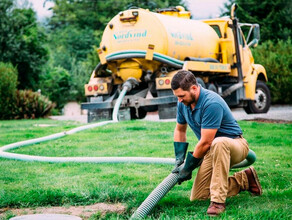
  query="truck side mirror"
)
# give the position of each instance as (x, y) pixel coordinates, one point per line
(255, 29)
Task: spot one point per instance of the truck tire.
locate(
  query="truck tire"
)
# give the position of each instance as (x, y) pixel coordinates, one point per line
(262, 101)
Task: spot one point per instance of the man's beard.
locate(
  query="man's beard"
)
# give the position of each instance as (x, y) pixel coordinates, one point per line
(193, 100)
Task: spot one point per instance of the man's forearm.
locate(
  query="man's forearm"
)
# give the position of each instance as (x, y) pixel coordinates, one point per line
(179, 136)
(207, 137)
(201, 149)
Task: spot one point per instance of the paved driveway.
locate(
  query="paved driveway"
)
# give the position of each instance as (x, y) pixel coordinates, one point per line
(277, 112)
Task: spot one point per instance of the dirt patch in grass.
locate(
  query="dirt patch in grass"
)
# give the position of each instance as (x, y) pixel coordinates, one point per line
(83, 212)
(263, 120)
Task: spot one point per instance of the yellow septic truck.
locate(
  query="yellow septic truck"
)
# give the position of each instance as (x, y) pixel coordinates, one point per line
(145, 49)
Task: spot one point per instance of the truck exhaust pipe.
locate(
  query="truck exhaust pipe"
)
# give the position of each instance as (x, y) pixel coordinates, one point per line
(233, 9)
(236, 41)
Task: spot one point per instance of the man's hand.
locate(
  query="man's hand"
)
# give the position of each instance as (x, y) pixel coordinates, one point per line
(184, 175)
(186, 172)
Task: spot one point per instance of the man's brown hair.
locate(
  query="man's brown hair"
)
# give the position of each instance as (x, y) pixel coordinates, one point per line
(183, 79)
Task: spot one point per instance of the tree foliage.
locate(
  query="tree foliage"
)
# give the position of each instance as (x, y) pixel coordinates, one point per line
(19, 104)
(274, 17)
(277, 59)
(56, 85)
(95, 14)
(70, 43)
(22, 42)
(8, 84)
(62, 86)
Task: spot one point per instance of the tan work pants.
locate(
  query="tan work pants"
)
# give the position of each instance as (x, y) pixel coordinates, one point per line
(212, 179)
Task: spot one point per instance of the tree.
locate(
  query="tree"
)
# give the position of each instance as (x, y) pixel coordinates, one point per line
(276, 58)
(274, 17)
(22, 43)
(95, 14)
(8, 84)
(70, 43)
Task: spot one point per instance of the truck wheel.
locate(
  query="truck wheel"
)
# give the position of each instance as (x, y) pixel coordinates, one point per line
(212, 87)
(262, 101)
(201, 82)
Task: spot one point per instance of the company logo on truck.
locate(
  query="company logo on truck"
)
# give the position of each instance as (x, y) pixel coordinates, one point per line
(181, 38)
(129, 35)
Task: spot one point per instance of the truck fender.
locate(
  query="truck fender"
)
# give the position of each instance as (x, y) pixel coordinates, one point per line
(258, 73)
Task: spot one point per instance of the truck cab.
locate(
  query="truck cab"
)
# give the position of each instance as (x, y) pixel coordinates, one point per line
(256, 96)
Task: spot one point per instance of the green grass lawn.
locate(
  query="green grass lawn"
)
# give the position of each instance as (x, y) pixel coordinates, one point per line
(34, 184)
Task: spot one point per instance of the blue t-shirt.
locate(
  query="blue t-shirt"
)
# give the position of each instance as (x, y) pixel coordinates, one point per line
(211, 111)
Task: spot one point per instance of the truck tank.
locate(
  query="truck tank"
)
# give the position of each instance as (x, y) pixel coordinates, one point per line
(172, 36)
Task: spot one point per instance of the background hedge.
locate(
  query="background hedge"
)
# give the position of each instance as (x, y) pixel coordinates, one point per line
(8, 84)
(19, 104)
(277, 59)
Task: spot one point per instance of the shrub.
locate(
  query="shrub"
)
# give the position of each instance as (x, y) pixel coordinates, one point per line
(79, 76)
(8, 84)
(62, 86)
(31, 105)
(55, 84)
(277, 59)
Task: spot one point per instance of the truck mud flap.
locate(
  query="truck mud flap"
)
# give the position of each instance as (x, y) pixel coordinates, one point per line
(166, 111)
(99, 114)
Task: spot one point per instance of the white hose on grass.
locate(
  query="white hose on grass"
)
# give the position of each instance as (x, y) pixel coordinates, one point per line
(24, 157)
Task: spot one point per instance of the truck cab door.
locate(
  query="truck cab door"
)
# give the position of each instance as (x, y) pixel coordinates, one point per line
(249, 36)
(246, 56)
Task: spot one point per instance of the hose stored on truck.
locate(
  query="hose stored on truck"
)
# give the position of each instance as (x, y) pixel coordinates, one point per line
(211, 60)
(128, 54)
(169, 182)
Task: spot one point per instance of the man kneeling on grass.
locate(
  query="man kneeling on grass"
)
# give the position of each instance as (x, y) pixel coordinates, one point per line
(220, 145)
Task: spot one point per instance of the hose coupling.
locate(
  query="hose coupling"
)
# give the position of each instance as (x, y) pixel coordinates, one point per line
(130, 83)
